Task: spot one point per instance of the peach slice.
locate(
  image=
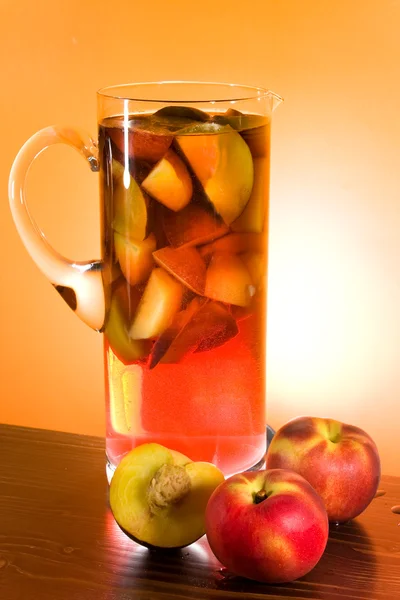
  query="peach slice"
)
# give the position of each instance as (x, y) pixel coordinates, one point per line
(253, 218)
(185, 264)
(135, 258)
(178, 339)
(169, 182)
(192, 226)
(224, 166)
(204, 325)
(124, 301)
(235, 243)
(160, 302)
(228, 280)
(255, 264)
(218, 326)
(142, 144)
(159, 496)
(130, 207)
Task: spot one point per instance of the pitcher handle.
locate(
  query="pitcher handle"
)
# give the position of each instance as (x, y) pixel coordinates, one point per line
(79, 283)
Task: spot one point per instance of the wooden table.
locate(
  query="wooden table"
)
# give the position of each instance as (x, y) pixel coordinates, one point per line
(58, 539)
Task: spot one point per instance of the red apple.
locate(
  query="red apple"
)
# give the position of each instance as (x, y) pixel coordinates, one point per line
(340, 461)
(270, 526)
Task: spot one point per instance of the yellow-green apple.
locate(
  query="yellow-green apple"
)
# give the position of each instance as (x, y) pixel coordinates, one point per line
(129, 204)
(270, 526)
(124, 301)
(224, 167)
(169, 182)
(160, 302)
(340, 461)
(135, 258)
(255, 214)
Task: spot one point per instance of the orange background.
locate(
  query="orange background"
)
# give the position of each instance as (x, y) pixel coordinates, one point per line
(334, 302)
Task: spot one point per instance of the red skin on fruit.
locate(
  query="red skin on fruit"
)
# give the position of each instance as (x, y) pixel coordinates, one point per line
(340, 461)
(275, 541)
(142, 144)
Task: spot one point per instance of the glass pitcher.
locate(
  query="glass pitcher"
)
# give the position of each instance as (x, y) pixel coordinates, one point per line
(180, 290)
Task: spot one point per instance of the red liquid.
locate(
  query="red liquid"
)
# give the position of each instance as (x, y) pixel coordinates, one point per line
(198, 386)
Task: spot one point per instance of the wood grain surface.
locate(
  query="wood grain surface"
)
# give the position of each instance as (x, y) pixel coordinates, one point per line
(58, 539)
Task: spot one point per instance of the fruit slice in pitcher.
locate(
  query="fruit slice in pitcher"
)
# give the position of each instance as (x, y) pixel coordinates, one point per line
(176, 114)
(142, 144)
(125, 396)
(204, 325)
(253, 217)
(124, 301)
(160, 302)
(228, 280)
(255, 264)
(192, 226)
(130, 207)
(169, 182)
(224, 166)
(185, 264)
(135, 258)
(173, 344)
(218, 326)
(235, 243)
(238, 120)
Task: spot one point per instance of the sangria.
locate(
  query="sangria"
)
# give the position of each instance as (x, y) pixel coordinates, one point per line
(184, 201)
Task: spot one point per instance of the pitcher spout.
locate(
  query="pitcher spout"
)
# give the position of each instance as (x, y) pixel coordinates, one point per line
(276, 100)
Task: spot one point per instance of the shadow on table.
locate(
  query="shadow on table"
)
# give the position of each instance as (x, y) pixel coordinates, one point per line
(347, 568)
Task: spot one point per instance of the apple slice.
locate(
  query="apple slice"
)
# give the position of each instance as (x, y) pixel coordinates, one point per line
(255, 263)
(169, 182)
(254, 216)
(129, 203)
(125, 396)
(185, 264)
(235, 243)
(192, 226)
(185, 113)
(228, 280)
(160, 302)
(142, 143)
(124, 301)
(135, 258)
(224, 166)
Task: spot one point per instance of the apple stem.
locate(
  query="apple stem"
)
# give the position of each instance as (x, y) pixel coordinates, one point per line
(170, 484)
(260, 496)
